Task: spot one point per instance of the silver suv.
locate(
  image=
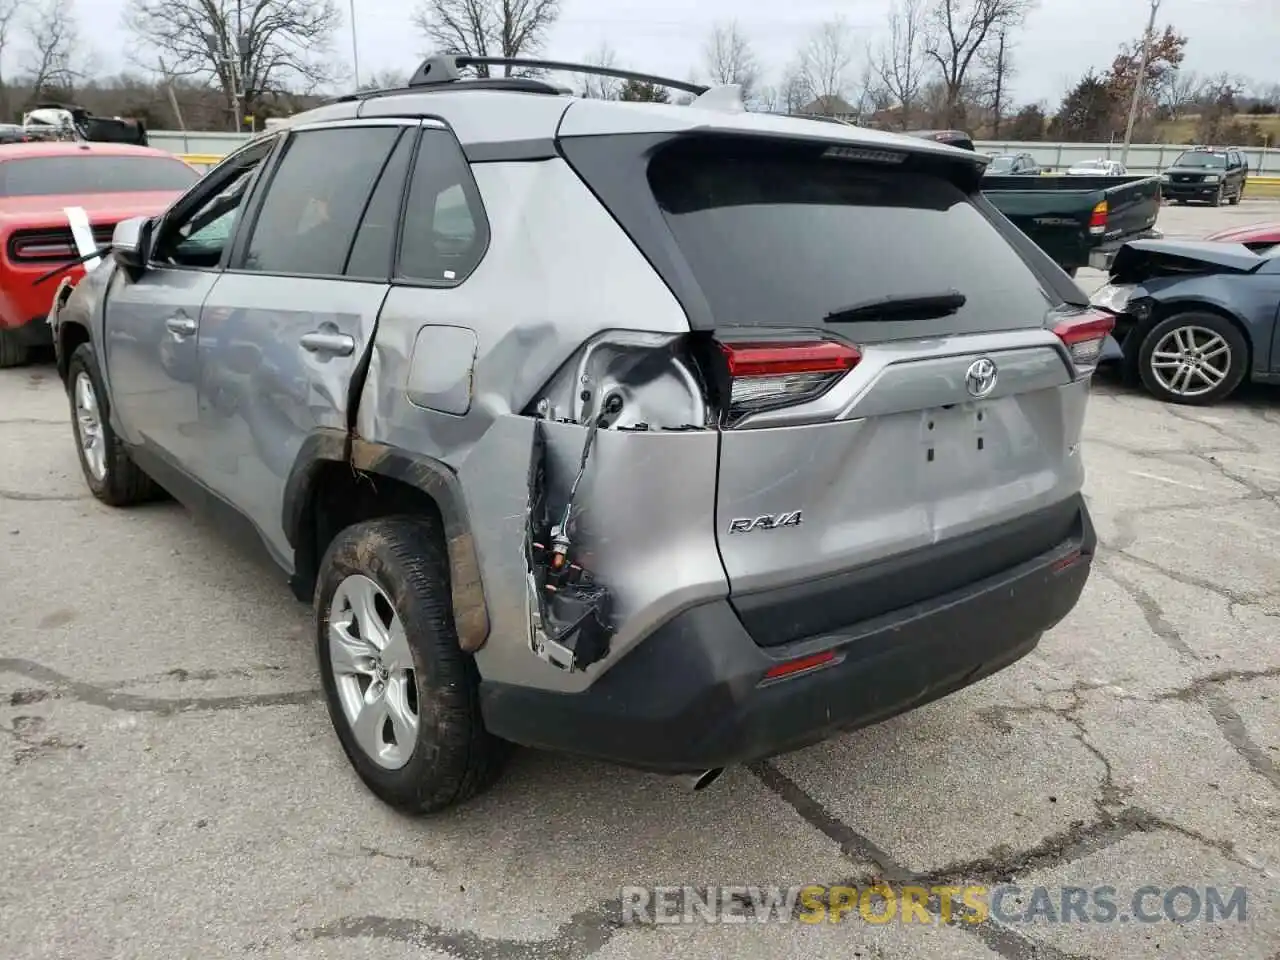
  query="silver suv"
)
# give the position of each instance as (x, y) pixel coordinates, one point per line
(677, 436)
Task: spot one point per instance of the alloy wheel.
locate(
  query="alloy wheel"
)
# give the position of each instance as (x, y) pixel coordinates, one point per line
(1190, 361)
(373, 671)
(89, 428)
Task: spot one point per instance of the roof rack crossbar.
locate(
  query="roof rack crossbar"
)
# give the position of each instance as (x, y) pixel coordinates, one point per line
(446, 68)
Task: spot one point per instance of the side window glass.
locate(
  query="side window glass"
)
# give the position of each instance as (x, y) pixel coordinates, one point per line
(198, 239)
(445, 230)
(376, 238)
(312, 206)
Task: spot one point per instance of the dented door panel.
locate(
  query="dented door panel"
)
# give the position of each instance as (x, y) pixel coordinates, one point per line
(269, 378)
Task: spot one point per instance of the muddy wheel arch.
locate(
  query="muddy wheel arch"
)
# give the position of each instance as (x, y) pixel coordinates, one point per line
(367, 461)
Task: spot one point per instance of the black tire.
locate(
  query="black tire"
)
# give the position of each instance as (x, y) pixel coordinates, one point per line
(1072, 271)
(454, 756)
(1237, 196)
(123, 482)
(1236, 367)
(1219, 196)
(13, 352)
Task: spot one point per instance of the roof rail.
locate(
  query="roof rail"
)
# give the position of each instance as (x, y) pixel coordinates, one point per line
(446, 68)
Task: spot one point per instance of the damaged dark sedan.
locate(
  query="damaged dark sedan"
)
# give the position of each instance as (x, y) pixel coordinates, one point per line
(1195, 319)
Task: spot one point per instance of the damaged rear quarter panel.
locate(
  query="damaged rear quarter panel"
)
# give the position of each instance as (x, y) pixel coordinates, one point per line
(536, 297)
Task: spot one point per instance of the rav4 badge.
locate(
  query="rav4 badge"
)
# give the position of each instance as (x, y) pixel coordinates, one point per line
(790, 518)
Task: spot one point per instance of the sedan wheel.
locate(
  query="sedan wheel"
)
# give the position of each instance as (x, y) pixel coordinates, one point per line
(1193, 359)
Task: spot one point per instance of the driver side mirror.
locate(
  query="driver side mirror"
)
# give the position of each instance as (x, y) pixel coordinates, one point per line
(131, 242)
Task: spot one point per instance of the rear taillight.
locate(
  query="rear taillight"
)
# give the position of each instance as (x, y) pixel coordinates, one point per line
(42, 250)
(1098, 219)
(1084, 334)
(771, 374)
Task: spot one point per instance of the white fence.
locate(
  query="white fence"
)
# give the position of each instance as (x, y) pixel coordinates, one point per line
(1143, 157)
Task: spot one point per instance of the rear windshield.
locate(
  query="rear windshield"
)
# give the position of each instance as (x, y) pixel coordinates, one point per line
(1201, 160)
(777, 240)
(43, 176)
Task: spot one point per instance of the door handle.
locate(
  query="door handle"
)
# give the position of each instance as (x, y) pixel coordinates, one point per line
(337, 344)
(181, 326)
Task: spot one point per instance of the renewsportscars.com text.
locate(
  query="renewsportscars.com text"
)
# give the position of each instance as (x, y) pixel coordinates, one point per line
(883, 904)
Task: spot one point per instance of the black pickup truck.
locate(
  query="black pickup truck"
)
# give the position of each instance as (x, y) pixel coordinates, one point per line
(1078, 221)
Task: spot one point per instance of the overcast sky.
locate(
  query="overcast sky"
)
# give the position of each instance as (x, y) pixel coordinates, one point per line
(1062, 38)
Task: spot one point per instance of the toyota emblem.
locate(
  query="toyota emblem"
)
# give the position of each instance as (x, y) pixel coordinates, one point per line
(980, 378)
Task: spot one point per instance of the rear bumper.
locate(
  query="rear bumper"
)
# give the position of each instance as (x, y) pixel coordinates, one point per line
(693, 697)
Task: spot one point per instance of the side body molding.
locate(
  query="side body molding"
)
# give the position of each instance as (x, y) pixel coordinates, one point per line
(369, 460)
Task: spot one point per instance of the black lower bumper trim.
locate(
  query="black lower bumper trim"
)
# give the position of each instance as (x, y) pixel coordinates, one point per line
(690, 698)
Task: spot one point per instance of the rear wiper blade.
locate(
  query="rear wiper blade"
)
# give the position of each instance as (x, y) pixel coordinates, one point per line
(927, 306)
(63, 268)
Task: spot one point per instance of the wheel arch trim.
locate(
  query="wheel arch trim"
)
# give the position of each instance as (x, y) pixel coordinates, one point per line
(425, 474)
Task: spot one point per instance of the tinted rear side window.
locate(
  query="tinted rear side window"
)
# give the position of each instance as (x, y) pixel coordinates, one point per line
(778, 240)
(445, 232)
(47, 176)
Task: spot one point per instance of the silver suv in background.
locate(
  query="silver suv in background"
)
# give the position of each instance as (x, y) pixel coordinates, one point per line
(675, 436)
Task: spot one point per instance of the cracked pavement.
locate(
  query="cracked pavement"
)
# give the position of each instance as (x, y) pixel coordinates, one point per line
(172, 786)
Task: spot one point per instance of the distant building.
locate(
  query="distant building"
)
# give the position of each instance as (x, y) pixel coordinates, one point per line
(832, 106)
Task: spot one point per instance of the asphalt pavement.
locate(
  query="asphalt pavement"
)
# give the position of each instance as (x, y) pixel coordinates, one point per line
(170, 785)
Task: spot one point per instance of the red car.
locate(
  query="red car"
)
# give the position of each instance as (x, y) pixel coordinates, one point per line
(38, 182)
(1256, 236)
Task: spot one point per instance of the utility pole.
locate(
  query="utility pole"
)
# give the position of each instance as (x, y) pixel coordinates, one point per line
(355, 49)
(995, 123)
(1140, 81)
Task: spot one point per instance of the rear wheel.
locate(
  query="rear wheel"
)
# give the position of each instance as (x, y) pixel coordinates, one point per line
(1193, 358)
(402, 695)
(13, 352)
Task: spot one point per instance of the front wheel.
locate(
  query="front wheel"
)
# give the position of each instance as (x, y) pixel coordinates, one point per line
(1218, 197)
(1193, 358)
(402, 695)
(1238, 195)
(110, 474)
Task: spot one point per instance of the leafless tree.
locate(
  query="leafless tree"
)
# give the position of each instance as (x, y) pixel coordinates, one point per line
(50, 41)
(900, 62)
(996, 68)
(825, 61)
(246, 48)
(957, 31)
(729, 58)
(1178, 90)
(487, 28)
(602, 88)
(794, 91)
(873, 96)
(8, 14)
(385, 80)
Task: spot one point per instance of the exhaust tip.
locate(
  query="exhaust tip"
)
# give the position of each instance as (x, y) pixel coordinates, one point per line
(705, 779)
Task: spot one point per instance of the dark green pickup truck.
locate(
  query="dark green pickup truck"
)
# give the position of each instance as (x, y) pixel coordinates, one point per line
(1078, 221)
